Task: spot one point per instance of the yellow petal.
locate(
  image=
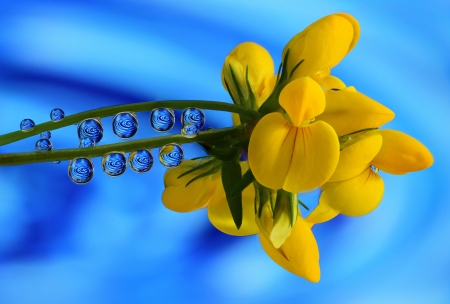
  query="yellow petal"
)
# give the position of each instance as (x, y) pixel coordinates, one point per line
(219, 212)
(302, 99)
(322, 213)
(356, 158)
(330, 82)
(322, 45)
(270, 149)
(283, 214)
(178, 197)
(260, 70)
(299, 254)
(315, 157)
(401, 153)
(348, 111)
(355, 197)
(265, 222)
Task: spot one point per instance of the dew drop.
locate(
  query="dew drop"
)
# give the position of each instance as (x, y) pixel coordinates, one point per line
(46, 135)
(86, 142)
(171, 155)
(374, 169)
(43, 145)
(114, 164)
(162, 119)
(125, 125)
(57, 114)
(190, 130)
(141, 161)
(81, 170)
(92, 128)
(27, 124)
(193, 116)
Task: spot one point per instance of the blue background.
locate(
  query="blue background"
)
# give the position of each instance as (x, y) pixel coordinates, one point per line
(112, 241)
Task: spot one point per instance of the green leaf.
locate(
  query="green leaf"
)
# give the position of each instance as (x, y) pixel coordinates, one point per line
(199, 166)
(237, 85)
(209, 172)
(231, 174)
(303, 204)
(289, 200)
(296, 67)
(246, 180)
(251, 98)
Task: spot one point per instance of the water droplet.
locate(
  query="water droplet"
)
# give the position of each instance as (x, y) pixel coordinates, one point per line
(171, 155)
(57, 114)
(141, 161)
(57, 162)
(190, 130)
(125, 125)
(374, 169)
(43, 145)
(27, 124)
(86, 142)
(46, 135)
(162, 119)
(193, 116)
(92, 128)
(81, 170)
(114, 164)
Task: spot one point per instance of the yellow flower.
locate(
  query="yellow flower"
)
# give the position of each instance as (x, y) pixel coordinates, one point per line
(355, 188)
(208, 191)
(322, 45)
(295, 154)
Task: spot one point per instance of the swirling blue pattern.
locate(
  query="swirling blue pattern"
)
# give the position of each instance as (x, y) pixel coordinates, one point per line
(171, 155)
(57, 114)
(125, 125)
(193, 116)
(46, 135)
(27, 124)
(140, 161)
(162, 119)
(91, 128)
(43, 145)
(86, 142)
(81, 170)
(190, 130)
(114, 164)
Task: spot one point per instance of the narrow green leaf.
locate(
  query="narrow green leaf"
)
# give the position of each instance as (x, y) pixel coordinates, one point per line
(303, 205)
(200, 166)
(251, 98)
(229, 92)
(209, 172)
(231, 174)
(289, 200)
(236, 84)
(296, 67)
(246, 180)
(278, 74)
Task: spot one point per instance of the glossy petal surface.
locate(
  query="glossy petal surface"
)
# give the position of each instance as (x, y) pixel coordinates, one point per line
(299, 254)
(355, 197)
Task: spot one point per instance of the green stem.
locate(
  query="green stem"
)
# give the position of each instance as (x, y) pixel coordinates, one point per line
(135, 107)
(239, 133)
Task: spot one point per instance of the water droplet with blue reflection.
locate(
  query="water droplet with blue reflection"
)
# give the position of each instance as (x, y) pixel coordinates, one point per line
(46, 135)
(90, 128)
(171, 155)
(193, 116)
(125, 125)
(57, 114)
(81, 170)
(86, 142)
(190, 130)
(27, 124)
(141, 161)
(114, 163)
(43, 145)
(162, 119)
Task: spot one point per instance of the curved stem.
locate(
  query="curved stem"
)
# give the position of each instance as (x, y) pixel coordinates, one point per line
(135, 107)
(239, 132)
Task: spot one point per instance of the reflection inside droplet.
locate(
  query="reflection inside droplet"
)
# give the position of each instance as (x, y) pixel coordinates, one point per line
(190, 130)
(125, 125)
(114, 164)
(141, 161)
(90, 128)
(86, 142)
(43, 145)
(81, 170)
(46, 135)
(193, 116)
(27, 124)
(171, 155)
(162, 119)
(57, 114)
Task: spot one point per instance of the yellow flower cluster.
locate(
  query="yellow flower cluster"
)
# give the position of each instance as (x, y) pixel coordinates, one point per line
(315, 132)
